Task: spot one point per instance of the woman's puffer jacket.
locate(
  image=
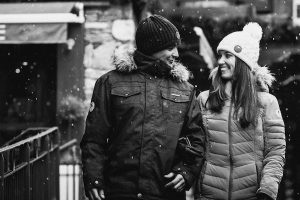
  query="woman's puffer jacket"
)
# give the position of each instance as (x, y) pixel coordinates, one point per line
(240, 162)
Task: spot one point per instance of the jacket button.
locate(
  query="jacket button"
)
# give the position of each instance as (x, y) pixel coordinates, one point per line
(139, 195)
(96, 182)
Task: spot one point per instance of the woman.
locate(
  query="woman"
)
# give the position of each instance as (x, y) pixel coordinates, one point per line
(245, 150)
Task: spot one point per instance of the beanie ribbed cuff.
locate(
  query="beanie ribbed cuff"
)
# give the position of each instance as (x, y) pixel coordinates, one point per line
(156, 33)
(250, 64)
(244, 44)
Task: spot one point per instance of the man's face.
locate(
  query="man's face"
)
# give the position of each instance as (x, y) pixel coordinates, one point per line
(167, 55)
(226, 64)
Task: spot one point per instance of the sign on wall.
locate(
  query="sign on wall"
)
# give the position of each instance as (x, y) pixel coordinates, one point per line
(33, 33)
(296, 13)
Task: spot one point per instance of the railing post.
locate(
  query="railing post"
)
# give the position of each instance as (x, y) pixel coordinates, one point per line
(48, 163)
(36, 148)
(7, 163)
(2, 177)
(28, 172)
(57, 141)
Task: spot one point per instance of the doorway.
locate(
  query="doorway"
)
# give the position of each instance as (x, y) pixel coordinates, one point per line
(28, 83)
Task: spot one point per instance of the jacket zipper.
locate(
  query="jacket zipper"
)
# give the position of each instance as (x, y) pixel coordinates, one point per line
(230, 153)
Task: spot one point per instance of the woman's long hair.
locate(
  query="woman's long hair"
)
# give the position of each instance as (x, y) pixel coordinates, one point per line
(244, 94)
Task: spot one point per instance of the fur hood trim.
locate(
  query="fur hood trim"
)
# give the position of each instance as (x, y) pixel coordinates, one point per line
(123, 61)
(263, 74)
(264, 78)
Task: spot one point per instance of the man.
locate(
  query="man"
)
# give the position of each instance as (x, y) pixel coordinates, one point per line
(138, 113)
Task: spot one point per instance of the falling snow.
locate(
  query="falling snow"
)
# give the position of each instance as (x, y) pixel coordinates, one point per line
(29, 85)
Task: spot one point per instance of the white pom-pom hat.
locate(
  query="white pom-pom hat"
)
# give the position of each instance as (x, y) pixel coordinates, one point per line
(244, 44)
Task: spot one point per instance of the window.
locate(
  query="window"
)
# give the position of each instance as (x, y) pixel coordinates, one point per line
(296, 13)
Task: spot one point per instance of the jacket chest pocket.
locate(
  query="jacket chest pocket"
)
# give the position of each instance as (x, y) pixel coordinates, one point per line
(175, 103)
(125, 95)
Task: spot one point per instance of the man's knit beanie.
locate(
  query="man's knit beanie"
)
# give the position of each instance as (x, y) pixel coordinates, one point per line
(244, 44)
(156, 33)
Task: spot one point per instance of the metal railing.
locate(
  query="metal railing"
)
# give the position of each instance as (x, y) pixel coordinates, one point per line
(29, 168)
(29, 132)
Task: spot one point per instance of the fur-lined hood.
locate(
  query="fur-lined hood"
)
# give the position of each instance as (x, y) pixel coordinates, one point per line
(264, 78)
(124, 62)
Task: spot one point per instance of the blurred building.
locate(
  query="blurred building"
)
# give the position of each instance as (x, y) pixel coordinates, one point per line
(51, 55)
(41, 50)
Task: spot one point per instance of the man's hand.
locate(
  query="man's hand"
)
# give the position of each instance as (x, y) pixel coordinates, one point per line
(94, 194)
(177, 181)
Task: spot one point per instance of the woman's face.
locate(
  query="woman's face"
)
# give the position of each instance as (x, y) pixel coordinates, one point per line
(226, 63)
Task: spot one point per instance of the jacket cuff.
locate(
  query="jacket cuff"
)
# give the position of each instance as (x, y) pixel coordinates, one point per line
(188, 177)
(266, 192)
(90, 183)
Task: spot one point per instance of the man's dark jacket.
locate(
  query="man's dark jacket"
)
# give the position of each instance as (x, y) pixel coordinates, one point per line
(133, 126)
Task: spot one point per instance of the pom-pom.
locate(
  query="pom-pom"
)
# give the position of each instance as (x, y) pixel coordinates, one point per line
(254, 30)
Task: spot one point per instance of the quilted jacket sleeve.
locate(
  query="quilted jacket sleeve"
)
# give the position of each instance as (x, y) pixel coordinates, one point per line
(274, 151)
(193, 131)
(94, 141)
